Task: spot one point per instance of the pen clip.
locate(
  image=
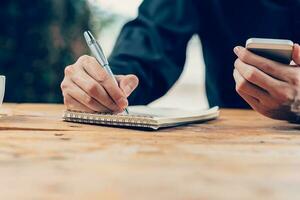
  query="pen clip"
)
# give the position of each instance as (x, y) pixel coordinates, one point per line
(95, 48)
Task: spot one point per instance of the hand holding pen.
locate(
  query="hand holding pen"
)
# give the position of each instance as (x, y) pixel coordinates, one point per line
(90, 86)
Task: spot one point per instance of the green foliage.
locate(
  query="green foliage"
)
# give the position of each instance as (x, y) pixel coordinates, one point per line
(37, 40)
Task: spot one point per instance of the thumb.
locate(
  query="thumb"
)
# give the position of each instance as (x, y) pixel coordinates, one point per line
(127, 83)
(296, 54)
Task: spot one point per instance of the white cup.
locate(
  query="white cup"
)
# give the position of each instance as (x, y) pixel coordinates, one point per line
(2, 88)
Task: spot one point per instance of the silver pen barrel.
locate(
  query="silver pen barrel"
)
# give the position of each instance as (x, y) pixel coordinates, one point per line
(99, 55)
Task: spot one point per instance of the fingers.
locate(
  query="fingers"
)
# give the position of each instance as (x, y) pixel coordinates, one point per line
(247, 92)
(296, 54)
(245, 87)
(254, 103)
(71, 89)
(94, 90)
(283, 92)
(93, 69)
(270, 92)
(257, 77)
(128, 83)
(280, 114)
(274, 69)
(73, 104)
(87, 86)
(267, 86)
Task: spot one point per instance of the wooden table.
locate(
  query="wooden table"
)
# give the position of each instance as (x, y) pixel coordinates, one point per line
(240, 156)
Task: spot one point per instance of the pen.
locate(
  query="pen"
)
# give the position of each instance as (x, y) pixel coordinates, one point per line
(99, 55)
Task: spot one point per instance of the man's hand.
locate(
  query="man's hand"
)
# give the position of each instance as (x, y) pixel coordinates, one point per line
(267, 86)
(88, 87)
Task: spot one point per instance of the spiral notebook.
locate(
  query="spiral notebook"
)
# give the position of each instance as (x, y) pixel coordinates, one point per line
(143, 117)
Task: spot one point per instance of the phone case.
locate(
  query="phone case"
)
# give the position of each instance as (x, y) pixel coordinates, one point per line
(274, 49)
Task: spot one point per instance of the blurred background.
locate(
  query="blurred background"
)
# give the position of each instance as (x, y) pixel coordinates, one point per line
(38, 40)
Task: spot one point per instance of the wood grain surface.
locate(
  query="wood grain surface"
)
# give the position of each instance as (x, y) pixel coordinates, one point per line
(242, 155)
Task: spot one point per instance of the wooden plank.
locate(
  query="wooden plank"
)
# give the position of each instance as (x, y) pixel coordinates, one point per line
(240, 156)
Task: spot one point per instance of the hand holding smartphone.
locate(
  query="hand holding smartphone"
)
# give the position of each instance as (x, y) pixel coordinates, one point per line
(271, 88)
(273, 49)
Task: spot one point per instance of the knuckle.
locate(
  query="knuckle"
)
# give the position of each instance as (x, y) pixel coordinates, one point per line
(267, 66)
(240, 87)
(68, 70)
(84, 59)
(103, 76)
(92, 88)
(235, 75)
(63, 86)
(92, 60)
(251, 75)
(295, 80)
(89, 100)
(289, 96)
(286, 96)
(236, 62)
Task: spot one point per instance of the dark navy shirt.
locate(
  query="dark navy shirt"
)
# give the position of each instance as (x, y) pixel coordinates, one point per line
(153, 46)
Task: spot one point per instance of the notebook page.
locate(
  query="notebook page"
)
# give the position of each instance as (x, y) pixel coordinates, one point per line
(166, 112)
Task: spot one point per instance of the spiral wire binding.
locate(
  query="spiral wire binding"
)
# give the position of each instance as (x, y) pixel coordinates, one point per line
(110, 119)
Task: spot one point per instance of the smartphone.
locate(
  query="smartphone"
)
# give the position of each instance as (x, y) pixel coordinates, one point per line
(273, 49)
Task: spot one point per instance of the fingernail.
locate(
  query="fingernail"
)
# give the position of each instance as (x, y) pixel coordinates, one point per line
(237, 50)
(123, 103)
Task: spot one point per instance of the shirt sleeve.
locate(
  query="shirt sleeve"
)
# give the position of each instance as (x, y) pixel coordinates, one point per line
(153, 46)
